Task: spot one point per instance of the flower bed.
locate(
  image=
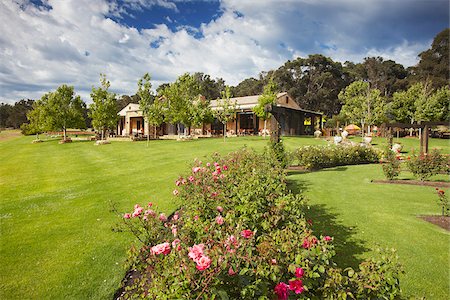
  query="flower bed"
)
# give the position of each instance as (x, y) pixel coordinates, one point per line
(242, 235)
(319, 157)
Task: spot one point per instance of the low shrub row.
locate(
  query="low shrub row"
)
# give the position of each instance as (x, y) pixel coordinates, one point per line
(241, 235)
(318, 157)
(422, 166)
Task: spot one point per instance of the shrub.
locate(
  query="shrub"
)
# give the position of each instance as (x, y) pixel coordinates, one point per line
(279, 152)
(426, 165)
(318, 157)
(443, 202)
(241, 235)
(390, 164)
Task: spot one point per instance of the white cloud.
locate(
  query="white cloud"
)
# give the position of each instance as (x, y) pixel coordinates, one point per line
(75, 41)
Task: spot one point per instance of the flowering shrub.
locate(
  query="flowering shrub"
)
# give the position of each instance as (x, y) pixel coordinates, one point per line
(426, 165)
(443, 202)
(318, 157)
(241, 235)
(390, 164)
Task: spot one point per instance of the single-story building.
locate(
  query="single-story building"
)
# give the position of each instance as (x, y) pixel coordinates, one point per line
(293, 120)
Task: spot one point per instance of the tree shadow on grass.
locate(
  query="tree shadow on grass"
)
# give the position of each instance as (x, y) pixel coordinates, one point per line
(347, 247)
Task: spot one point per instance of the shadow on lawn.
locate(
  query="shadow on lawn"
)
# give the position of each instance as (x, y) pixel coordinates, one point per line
(325, 222)
(347, 247)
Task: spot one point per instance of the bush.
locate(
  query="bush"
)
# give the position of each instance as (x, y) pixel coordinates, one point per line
(241, 235)
(390, 164)
(426, 165)
(443, 202)
(318, 157)
(279, 152)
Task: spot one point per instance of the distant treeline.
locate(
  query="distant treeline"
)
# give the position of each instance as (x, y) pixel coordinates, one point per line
(315, 82)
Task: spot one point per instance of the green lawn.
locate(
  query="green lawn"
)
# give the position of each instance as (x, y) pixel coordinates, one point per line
(56, 238)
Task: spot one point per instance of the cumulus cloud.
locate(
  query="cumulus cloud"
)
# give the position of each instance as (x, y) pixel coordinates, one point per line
(73, 41)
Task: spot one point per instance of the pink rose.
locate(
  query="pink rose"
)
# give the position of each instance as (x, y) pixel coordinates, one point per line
(281, 289)
(216, 164)
(327, 238)
(149, 212)
(196, 251)
(177, 183)
(296, 285)
(163, 248)
(174, 230)
(162, 217)
(175, 217)
(299, 272)
(175, 243)
(225, 167)
(195, 218)
(208, 164)
(203, 263)
(195, 169)
(219, 208)
(219, 220)
(137, 211)
(127, 216)
(191, 178)
(214, 194)
(150, 204)
(246, 233)
(231, 272)
(175, 192)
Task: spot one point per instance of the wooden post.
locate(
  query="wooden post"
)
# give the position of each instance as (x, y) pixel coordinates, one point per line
(425, 137)
(422, 143)
(390, 137)
(274, 129)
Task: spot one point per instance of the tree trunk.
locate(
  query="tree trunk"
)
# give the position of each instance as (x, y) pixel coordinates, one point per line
(64, 133)
(148, 133)
(265, 123)
(224, 131)
(103, 134)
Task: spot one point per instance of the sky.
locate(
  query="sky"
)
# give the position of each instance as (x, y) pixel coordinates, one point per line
(46, 43)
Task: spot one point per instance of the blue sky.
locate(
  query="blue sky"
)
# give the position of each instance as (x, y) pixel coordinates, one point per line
(45, 43)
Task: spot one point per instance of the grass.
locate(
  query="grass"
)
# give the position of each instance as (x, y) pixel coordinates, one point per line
(56, 238)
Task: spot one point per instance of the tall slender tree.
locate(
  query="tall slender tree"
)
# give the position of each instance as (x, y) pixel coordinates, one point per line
(103, 109)
(226, 109)
(269, 96)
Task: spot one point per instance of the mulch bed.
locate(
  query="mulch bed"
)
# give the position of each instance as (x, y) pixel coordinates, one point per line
(442, 184)
(441, 221)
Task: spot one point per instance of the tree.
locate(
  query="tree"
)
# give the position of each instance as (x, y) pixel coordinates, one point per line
(434, 62)
(103, 109)
(314, 82)
(225, 110)
(61, 109)
(362, 105)
(209, 88)
(435, 107)
(269, 96)
(36, 118)
(404, 103)
(152, 107)
(181, 101)
(248, 87)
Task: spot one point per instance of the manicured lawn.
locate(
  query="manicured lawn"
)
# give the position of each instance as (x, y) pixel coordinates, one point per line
(361, 215)
(56, 238)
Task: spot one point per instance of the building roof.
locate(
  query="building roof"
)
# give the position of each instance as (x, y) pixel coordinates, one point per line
(129, 107)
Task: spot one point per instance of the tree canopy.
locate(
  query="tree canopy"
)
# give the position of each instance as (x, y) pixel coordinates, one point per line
(103, 109)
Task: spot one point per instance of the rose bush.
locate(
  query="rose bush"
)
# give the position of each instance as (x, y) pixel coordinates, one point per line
(319, 157)
(390, 164)
(426, 165)
(241, 235)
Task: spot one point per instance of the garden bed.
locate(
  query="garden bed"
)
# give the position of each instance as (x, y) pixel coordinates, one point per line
(441, 221)
(415, 182)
